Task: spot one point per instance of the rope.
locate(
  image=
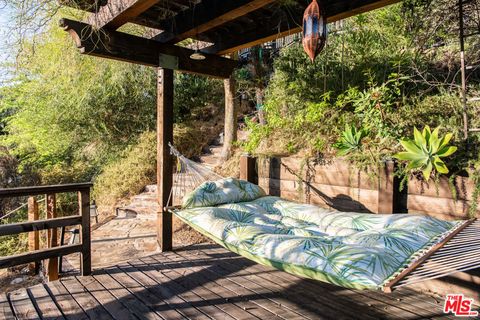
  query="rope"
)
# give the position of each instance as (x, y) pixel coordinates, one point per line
(188, 176)
(5, 216)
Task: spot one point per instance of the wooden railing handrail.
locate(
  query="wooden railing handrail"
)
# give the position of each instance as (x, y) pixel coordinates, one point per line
(51, 224)
(11, 261)
(30, 226)
(37, 190)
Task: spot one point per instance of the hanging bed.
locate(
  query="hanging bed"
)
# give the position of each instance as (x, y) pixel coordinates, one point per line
(353, 250)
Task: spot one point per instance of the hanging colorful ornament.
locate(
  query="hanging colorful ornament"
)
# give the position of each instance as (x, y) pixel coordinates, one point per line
(314, 30)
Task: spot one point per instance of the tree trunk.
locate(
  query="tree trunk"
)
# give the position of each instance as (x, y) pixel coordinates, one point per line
(230, 130)
(259, 76)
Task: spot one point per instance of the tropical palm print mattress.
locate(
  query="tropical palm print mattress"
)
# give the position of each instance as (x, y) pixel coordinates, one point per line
(354, 250)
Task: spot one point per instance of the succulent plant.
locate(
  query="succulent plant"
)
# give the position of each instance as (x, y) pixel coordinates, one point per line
(425, 151)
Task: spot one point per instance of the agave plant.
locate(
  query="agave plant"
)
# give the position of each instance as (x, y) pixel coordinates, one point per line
(425, 151)
(351, 140)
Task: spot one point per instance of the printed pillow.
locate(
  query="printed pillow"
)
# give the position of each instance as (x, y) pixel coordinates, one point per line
(228, 190)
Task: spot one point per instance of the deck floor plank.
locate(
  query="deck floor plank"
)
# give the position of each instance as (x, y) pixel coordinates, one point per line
(356, 301)
(89, 304)
(260, 300)
(211, 292)
(251, 308)
(161, 285)
(70, 308)
(6, 312)
(193, 296)
(154, 302)
(383, 303)
(287, 292)
(126, 298)
(45, 305)
(208, 282)
(277, 303)
(186, 265)
(319, 298)
(22, 305)
(106, 299)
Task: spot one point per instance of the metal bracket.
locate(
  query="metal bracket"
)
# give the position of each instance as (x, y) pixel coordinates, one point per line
(167, 61)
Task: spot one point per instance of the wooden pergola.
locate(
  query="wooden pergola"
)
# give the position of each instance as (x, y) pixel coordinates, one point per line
(226, 26)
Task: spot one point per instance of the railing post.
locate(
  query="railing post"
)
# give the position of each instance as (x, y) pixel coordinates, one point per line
(33, 237)
(84, 207)
(52, 237)
(386, 190)
(165, 90)
(247, 168)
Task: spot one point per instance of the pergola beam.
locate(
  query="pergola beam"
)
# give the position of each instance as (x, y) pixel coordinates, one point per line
(118, 12)
(272, 30)
(125, 47)
(205, 16)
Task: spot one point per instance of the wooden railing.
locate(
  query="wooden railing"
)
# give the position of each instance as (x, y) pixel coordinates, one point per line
(53, 252)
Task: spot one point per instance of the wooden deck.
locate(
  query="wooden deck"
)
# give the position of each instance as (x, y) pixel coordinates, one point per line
(207, 282)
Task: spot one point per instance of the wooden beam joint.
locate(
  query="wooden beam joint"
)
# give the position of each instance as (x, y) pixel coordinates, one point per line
(129, 48)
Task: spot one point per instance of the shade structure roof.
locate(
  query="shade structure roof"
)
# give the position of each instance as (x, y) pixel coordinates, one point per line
(226, 26)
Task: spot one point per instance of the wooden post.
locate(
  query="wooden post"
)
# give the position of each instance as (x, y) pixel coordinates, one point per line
(230, 130)
(164, 159)
(33, 237)
(247, 168)
(52, 237)
(386, 190)
(84, 207)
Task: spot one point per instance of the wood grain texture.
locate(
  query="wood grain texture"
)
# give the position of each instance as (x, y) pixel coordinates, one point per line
(117, 13)
(165, 90)
(292, 24)
(248, 169)
(85, 233)
(129, 48)
(206, 281)
(438, 206)
(33, 237)
(205, 16)
(389, 286)
(6, 312)
(461, 188)
(22, 305)
(23, 258)
(52, 236)
(21, 227)
(44, 303)
(40, 190)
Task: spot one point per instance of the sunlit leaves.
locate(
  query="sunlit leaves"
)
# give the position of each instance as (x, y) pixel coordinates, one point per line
(425, 150)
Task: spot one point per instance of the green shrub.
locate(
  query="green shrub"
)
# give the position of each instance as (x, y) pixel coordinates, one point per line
(127, 176)
(136, 167)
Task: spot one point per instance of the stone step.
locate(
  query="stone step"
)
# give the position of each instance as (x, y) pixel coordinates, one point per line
(151, 188)
(150, 196)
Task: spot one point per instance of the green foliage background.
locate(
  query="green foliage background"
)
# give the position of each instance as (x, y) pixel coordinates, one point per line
(384, 72)
(67, 118)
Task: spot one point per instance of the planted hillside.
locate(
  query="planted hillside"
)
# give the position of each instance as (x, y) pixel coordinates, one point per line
(381, 75)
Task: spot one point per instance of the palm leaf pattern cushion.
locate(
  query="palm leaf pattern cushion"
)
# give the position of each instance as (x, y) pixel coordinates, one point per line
(222, 191)
(354, 250)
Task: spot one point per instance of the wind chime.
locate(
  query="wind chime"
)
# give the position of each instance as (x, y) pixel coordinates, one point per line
(314, 30)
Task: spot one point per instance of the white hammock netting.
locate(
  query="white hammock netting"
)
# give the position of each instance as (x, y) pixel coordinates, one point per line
(188, 176)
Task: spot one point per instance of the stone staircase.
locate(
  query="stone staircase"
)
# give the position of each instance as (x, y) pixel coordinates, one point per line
(145, 203)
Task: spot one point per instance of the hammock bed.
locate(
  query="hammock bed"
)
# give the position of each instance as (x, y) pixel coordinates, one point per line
(353, 250)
